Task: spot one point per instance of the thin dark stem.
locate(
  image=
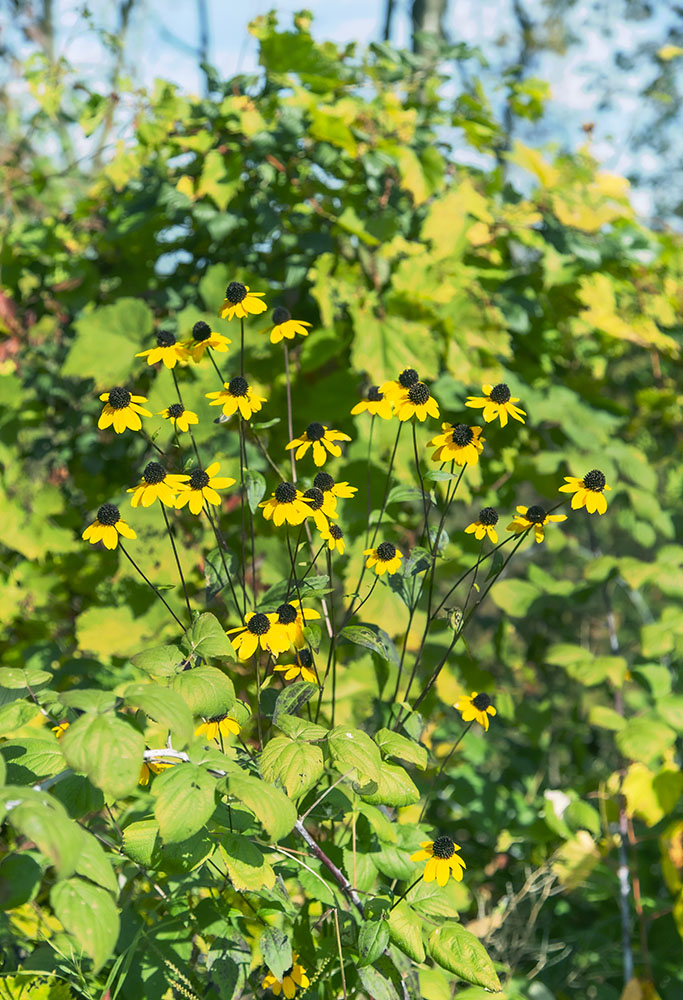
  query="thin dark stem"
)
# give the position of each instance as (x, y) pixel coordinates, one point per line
(242, 346)
(442, 767)
(149, 582)
(367, 528)
(251, 517)
(425, 507)
(220, 542)
(264, 452)
(177, 559)
(243, 516)
(290, 420)
(153, 443)
(180, 400)
(405, 893)
(334, 661)
(213, 362)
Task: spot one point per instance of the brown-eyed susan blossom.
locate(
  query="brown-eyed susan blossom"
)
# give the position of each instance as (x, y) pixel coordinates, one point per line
(167, 350)
(203, 338)
(337, 491)
(475, 708)
(150, 767)
(394, 389)
(533, 517)
(201, 485)
(259, 630)
(334, 537)
(292, 980)
(497, 403)
(218, 726)
(321, 439)
(294, 617)
(237, 394)
(107, 527)
(484, 525)
(386, 558)
(240, 302)
(286, 504)
(375, 403)
(122, 409)
(302, 667)
(60, 729)
(321, 506)
(442, 860)
(179, 416)
(458, 443)
(416, 402)
(285, 326)
(156, 484)
(588, 492)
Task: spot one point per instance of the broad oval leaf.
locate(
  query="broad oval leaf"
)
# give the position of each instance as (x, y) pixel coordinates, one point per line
(89, 915)
(164, 706)
(206, 690)
(185, 800)
(352, 749)
(276, 813)
(463, 954)
(294, 763)
(107, 749)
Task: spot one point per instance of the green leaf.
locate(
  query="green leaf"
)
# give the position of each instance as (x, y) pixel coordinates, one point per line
(373, 938)
(78, 795)
(32, 758)
(606, 718)
(124, 327)
(276, 813)
(206, 637)
(89, 700)
(17, 678)
(20, 878)
(352, 749)
(108, 750)
(300, 729)
(15, 715)
(89, 915)
(394, 862)
(44, 821)
(255, 485)
(206, 690)
(432, 900)
(374, 638)
(294, 763)
(461, 953)
(395, 787)
(94, 863)
(645, 738)
(405, 930)
(247, 867)
(165, 707)
(160, 661)
(394, 745)
(671, 710)
(185, 801)
(142, 842)
(376, 985)
(276, 949)
(514, 597)
(292, 699)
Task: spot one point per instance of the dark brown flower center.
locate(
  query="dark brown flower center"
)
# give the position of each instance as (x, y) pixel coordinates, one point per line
(108, 514)
(281, 315)
(218, 718)
(198, 480)
(323, 481)
(443, 848)
(201, 331)
(119, 398)
(374, 395)
(336, 531)
(386, 551)
(595, 481)
(408, 377)
(315, 431)
(238, 386)
(286, 614)
(488, 516)
(535, 514)
(481, 702)
(462, 435)
(315, 498)
(154, 473)
(305, 657)
(165, 338)
(176, 410)
(285, 493)
(500, 393)
(235, 292)
(259, 624)
(418, 394)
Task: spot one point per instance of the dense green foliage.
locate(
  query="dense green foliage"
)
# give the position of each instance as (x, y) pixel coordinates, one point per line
(335, 183)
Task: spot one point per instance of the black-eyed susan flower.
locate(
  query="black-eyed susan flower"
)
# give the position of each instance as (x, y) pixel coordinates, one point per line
(167, 350)
(202, 485)
(497, 402)
(150, 767)
(294, 617)
(321, 506)
(287, 327)
(285, 504)
(217, 726)
(237, 394)
(386, 558)
(376, 403)
(442, 860)
(416, 402)
(394, 389)
(179, 416)
(342, 491)
(475, 708)
(533, 517)
(295, 978)
(156, 484)
(588, 492)
(259, 630)
(334, 537)
(122, 409)
(107, 527)
(60, 729)
(203, 338)
(240, 302)
(458, 443)
(484, 525)
(302, 667)
(321, 439)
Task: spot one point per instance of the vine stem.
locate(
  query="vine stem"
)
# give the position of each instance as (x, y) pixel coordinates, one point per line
(177, 558)
(339, 877)
(290, 420)
(425, 508)
(149, 582)
(367, 527)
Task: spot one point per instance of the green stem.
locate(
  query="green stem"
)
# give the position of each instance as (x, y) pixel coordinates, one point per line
(177, 559)
(148, 581)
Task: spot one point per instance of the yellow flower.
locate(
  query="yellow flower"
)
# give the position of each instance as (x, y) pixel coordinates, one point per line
(334, 537)
(286, 504)
(285, 326)
(60, 729)
(294, 617)
(484, 525)
(322, 506)
(333, 491)
(150, 767)
(588, 492)
(442, 861)
(292, 980)
(217, 726)
(375, 403)
(179, 416)
(167, 350)
(476, 708)
(239, 301)
(107, 527)
(203, 338)
(156, 484)
(259, 630)
(237, 395)
(302, 667)
(458, 443)
(386, 558)
(320, 438)
(202, 486)
(393, 390)
(497, 402)
(122, 409)
(416, 402)
(533, 517)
